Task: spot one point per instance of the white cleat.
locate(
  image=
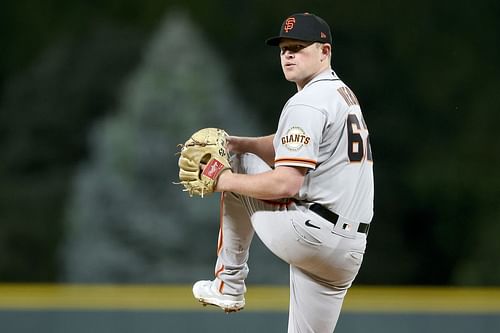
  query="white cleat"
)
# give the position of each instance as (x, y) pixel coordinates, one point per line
(204, 292)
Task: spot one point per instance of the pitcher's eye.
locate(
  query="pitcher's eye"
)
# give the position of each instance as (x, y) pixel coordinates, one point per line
(293, 48)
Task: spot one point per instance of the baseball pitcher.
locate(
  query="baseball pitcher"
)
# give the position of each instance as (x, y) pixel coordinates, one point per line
(306, 190)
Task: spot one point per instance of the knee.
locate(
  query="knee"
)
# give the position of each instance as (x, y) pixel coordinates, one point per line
(248, 163)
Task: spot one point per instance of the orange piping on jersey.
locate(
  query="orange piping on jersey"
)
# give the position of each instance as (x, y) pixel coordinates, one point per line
(221, 287)
(295, 160)
(220, 240)
(221, 220)
(217, 272)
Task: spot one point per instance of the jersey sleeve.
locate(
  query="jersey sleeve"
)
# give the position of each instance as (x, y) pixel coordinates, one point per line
(298, 136)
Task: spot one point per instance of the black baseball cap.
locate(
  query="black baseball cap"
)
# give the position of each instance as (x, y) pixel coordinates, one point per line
(303, 26)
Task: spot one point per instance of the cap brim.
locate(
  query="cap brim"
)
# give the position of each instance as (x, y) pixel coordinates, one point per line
(273, 41)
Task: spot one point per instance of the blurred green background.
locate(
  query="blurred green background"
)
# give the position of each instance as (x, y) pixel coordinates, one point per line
(95, 96)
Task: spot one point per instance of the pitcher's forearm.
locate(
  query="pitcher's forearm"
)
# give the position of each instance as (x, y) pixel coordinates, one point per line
(282, 182)
(260, 146)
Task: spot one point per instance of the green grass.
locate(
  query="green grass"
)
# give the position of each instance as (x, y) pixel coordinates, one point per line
(259, 298)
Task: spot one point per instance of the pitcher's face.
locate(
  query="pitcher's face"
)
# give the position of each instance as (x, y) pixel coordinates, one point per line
(301, 61)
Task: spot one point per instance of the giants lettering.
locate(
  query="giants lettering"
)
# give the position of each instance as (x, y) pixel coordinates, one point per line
(295, 138)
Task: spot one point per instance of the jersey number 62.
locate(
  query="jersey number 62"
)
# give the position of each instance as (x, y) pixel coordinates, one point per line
(357, 147)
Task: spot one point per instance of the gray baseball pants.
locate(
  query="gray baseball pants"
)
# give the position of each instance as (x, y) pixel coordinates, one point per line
(323, 260)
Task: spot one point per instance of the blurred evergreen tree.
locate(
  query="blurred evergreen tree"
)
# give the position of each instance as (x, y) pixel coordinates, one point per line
(44, 114)
(425, 72)
(127, 222)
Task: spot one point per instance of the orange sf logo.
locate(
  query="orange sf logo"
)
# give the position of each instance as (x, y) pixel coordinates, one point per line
(289, 24)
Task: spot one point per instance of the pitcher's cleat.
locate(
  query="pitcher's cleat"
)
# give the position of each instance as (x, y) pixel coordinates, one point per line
(205, 293)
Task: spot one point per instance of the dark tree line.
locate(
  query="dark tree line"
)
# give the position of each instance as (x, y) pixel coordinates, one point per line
(426, 75)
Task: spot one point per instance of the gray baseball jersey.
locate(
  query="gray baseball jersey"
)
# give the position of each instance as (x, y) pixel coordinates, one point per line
(322, 128)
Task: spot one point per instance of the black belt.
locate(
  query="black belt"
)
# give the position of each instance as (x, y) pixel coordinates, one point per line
(333, 218)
